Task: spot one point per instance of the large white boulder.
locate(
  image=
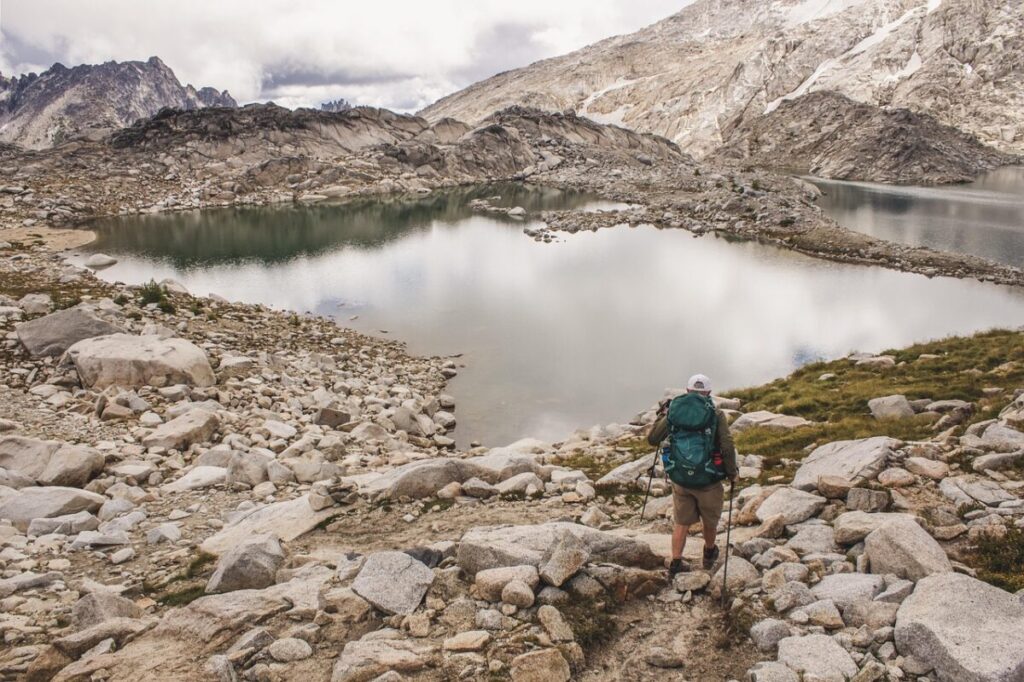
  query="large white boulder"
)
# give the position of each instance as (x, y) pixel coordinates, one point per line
(846, 588)
(1003, 438)
(423, 478)
(284, 520)
(902, 547)
(768, 420)
(504, 463)
(50, 462)
(627, 474)
(379, 653)
(250, 565)
(45, 503)
(127, 360)
(793, 505)
(891, 407)
(393, 582)
(202, 476)
(819, 656)
(496, 546)
(195, 426)
(55, 333)
(852, 527)
(855, 460)
(967, 630)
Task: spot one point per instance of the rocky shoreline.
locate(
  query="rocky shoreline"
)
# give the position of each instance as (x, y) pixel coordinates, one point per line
(262, 154)
(197, 489)
(183, 499)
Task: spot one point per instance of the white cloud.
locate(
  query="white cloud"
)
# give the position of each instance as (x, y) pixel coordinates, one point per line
(401, 55)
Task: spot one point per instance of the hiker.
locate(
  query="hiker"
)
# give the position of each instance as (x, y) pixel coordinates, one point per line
(698, 456)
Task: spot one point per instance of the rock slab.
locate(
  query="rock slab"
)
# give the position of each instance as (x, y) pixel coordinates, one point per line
(984, 642)
(131, 361)
(393, 582)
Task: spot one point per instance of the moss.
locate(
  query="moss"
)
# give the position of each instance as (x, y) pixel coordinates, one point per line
(62, 301)
(196, 565)
(591, 621)
(592, 466)
(964, 366)
(438, 505)
(1000, 560)
(328, 521)
(183, 596)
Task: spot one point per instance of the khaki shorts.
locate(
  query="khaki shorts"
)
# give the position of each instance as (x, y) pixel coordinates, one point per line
(691, 504)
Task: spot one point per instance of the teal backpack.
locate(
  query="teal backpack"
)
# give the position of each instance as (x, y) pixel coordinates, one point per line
(689, 455)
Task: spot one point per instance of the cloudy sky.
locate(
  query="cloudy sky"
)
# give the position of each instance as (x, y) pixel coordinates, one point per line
(401, 54)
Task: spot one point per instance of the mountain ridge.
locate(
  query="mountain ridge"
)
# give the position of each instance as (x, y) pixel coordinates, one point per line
(41, 110)
(718, 62)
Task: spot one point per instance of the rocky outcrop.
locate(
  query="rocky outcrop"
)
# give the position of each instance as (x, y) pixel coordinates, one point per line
(964, 629)
(857, 461)
(50, 463)
(22, 507)
(832, 136)
(697, 73)
(60, 104)
(251, 564)
(126, 360)
(52, 335)
(496, 546)
(393, 582)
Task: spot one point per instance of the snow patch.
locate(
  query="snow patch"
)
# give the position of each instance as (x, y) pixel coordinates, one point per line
(803, 87)
(933, 5)
(613, 118)
(881, 34)
(617, 85)
(908, 70)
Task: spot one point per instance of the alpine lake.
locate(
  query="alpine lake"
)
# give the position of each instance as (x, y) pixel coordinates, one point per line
(593, 327)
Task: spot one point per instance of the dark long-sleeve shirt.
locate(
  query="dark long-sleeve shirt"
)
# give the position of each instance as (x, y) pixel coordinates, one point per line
(723, 440)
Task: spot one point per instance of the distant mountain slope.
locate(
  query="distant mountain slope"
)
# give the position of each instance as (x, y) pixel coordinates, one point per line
(700, 71)
(38, 111)
(827, 134)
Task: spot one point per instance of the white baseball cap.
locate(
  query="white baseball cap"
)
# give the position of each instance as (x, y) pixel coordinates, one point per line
(699, 383)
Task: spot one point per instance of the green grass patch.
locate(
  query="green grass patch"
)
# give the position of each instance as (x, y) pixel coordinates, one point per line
(151, 292)
(965, 366)
(1000, 560)
(195, 567)
(63, 301)
(593, 467)
(182, 597)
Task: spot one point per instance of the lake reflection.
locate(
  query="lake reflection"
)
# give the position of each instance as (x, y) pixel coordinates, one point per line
(983, 218)
(555, 336)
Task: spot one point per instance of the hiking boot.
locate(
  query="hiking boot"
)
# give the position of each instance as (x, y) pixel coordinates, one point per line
(710, 557)
(677, 566)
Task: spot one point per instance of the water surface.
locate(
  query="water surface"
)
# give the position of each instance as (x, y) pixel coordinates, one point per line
(586, 330)
(983, 218)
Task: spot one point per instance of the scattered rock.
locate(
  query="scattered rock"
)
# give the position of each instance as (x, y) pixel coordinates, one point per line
(393, 582)
(131, 361)
(901, 547)
(982, 641)
(253, 564)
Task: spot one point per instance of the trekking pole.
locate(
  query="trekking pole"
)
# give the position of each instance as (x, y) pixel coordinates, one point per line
(728, 531)
(650, 479)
